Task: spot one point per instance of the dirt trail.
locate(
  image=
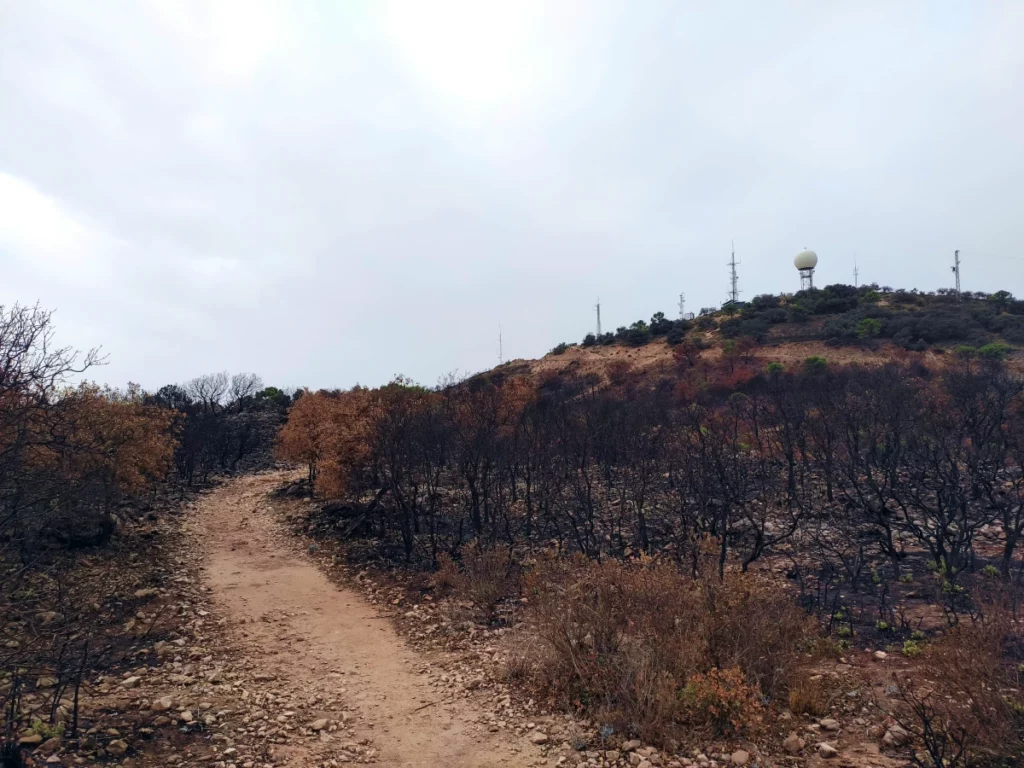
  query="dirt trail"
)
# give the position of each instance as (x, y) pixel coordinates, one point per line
(316, 638)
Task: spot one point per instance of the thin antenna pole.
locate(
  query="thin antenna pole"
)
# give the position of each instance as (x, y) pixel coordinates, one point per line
(734, 292)
(598, 308)
(856, 272)
(682, 303)
(956, 271)
(501, 351)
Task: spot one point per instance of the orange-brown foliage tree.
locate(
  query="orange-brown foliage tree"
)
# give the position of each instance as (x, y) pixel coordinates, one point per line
(328, 432)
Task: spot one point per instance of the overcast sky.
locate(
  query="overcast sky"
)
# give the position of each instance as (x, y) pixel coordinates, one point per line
(331, 193)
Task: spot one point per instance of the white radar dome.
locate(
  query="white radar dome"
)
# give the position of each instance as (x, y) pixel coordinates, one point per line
(806, 260)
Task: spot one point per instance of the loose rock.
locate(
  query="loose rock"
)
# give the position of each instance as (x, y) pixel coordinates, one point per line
(793, 744)
(827, 751)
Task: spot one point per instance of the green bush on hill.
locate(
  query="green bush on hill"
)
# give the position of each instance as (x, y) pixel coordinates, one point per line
(912, 319)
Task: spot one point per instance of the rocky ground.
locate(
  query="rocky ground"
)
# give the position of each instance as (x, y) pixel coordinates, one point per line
(260, 648)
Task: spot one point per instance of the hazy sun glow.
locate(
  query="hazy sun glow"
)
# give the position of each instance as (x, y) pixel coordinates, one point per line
(473, 54)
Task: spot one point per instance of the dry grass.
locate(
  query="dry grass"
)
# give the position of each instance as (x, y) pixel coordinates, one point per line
(654, 651)
(809, 695)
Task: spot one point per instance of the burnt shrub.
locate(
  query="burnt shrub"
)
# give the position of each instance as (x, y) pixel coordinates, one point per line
(486, 577)
(963, 704)
(646, 647)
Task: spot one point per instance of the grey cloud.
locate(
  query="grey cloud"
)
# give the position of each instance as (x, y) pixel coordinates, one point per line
(330, 192)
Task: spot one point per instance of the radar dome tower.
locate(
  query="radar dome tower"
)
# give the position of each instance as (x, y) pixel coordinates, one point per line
(805, 263)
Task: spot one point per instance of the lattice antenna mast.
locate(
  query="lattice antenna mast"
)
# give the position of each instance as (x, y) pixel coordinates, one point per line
(734, 280)
(856, 272)
(682, 304)
(956, 271)
(598, 308)
(501, 351)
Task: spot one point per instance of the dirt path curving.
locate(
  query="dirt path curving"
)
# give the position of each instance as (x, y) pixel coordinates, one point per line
(302, 633)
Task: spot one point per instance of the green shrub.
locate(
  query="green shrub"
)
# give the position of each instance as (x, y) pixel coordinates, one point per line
(911, 648)
(869, 328)
(815, 364)
(560, 349)
(994, 352)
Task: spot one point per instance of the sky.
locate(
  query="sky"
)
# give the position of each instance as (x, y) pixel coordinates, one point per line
(327, 193)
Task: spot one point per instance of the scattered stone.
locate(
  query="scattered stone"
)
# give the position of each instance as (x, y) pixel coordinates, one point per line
(538, 738)
(117, 747)
(881, 655)
(829, 724)
(793, 744)
(827, 751)
(46, 682)
(895, 736)
(740, 757)
(163, 704)
(185, 716)
(131, 682)
(30, 740)
(148, 592)
(318, 725)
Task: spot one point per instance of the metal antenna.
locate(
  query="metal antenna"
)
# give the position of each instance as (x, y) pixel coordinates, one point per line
(682, 303)
(956, 271)
(598, 308)
(734, 291)
(856, 272)
(501, 351)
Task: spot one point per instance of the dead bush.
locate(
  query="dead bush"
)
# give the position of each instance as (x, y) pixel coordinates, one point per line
(516, 670)
(809, 695)
(650, 649)
(723, 699)
(964, 705)
(447, 577)
(484, 577)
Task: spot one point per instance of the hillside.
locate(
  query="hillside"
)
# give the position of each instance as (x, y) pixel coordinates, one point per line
(786, 530)
(841, 324)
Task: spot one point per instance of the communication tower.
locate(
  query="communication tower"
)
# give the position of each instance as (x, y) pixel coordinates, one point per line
(956, 271)
(734, 280)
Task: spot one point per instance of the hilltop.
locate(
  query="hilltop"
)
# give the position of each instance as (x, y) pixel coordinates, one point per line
(869, 325)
